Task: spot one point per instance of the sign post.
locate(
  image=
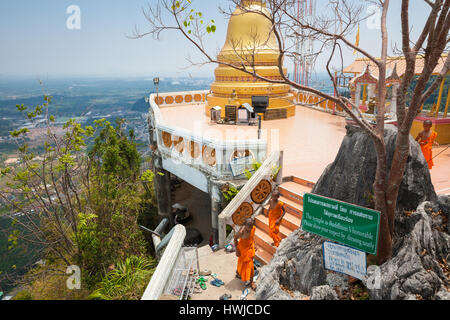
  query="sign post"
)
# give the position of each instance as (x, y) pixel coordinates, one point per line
(260, 105)
(354, 226)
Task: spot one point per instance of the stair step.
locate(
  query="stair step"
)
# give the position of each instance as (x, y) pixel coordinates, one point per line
(291, 207)
(292, 222)
(263, 256)
(291, 194)
(262, 223)
(294, 191)
(263, 240)
(303, 182)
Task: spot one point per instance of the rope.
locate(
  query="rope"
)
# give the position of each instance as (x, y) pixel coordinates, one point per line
(441, 152)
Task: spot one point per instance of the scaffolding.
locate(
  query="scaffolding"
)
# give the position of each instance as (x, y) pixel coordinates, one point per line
(184, 274)
(304, 44)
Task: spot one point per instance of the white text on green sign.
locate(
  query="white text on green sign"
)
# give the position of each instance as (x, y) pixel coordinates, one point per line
(354, 226)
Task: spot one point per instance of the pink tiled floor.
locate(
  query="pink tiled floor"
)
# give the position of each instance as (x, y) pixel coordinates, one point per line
(310, 140)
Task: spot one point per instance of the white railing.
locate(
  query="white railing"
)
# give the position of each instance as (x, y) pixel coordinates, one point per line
(264, 172)
(163, 271)
(212, 156)
(316, 102)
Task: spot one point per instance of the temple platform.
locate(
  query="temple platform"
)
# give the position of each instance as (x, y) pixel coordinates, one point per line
(310, 140)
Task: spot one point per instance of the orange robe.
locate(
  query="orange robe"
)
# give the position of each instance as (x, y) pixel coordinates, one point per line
(427, 149)
(274, 229)
(246, 247)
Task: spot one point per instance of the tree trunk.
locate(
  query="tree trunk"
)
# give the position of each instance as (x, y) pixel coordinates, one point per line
(379, 187)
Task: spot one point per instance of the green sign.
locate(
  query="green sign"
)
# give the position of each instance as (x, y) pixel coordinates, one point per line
(354, 226)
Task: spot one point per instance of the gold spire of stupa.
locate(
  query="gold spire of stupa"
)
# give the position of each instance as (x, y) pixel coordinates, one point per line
(249, 38)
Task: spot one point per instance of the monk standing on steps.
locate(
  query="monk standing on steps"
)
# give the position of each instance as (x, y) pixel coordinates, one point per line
(245, 250)
(426, 139)
(276, 214)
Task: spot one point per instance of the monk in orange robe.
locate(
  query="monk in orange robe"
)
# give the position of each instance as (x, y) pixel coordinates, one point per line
(245, 251)
(276, 214)
(426, 139)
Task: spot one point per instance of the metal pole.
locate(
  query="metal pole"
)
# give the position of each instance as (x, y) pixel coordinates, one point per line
(157, 94)
(259, 126)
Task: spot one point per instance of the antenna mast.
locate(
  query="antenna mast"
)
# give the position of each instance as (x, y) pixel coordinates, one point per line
(304, 44)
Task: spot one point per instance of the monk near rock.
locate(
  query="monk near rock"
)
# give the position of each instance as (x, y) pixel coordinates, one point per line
(245, 251)
(426, 139)
(276, 214)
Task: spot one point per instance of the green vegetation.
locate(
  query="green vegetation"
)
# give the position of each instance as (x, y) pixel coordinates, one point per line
(23, 295)
(127, 281)
(229, 193)
(256, 165)
(82, 205)
(17, 260)
(432, 100)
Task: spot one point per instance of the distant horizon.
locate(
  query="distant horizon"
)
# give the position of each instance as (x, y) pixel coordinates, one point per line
(121, 76)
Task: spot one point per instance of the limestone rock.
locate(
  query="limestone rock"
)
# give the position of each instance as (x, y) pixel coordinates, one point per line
(415, 269)
(444, 205)
(297, 265)
(323, 293)
(413, 272)
(337, 280)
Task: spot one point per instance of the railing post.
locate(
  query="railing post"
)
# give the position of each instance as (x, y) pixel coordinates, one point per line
(280, 164)
(244, 193)
(215, 210)
(222, 230)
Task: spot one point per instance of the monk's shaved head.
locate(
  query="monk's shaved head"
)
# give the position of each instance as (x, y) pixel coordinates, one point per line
(248, 222)
(428, 123)
(275, 194)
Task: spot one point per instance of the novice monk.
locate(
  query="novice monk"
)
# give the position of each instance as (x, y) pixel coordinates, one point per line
(276, 214)
(245, 251)
(427, 139)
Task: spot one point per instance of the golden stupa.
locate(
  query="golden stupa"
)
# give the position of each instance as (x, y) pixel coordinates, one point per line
(249, 37)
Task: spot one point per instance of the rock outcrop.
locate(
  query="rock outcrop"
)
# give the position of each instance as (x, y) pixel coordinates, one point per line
(419, 267)
(296, 265)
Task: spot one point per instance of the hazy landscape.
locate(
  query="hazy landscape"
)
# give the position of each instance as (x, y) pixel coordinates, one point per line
(84, 100)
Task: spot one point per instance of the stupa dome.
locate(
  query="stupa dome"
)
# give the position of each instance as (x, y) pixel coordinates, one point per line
(250, 41)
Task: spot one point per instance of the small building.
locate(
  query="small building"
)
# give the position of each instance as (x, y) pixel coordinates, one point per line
(216, 114)
(365, 74)
(245, 114)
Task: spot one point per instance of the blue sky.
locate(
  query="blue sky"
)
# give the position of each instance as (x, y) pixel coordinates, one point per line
(34, 39)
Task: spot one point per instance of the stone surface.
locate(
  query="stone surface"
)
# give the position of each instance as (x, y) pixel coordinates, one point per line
(296, 265)
(350, 177)
(337, 280)
(413, 273)
(415, 267)
(323, 293)
(444, 205)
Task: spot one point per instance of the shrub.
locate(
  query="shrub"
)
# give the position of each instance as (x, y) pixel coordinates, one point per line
(23, 295)
(127, 281)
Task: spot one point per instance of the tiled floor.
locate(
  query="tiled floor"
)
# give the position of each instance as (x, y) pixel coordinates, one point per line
(310, 140)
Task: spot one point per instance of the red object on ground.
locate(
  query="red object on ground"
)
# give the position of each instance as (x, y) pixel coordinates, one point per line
(211, 241)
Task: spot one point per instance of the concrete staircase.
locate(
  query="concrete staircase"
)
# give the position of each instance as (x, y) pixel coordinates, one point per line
(291, 194)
